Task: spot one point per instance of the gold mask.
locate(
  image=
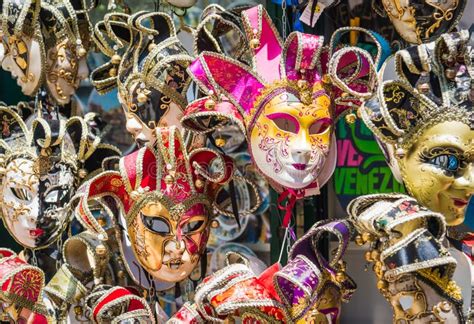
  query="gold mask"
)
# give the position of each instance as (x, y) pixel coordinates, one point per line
(438, 170)
(169, 247)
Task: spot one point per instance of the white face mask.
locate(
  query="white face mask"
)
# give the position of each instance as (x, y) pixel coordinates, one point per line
(23, 59)
(290, 141)
(34, 208)
(64, 71)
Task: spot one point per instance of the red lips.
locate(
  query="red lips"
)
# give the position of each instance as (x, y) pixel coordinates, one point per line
(299, 166)
(459, 202)
(36, 232)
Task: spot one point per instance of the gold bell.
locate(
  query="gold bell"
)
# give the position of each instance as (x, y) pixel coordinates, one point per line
(220, 142)
(302, 84)
(368, 256)
(215, 224)
(151, 46)
(81, 52)
(445, 306)
(340, 276)
(209, 104)
(326, 79)
(199, 183)
(102, 222)
(100, 249)
(78, 310)
(169, 179)
(254, 43)
(113, 72)
(116, 59)
(450, 73)
(374, 255)
(359, 241)
(344, 95)
(121, 274)
(350, 118)
(423, 87)
(82, 173)
(382, 285)
(367, 237)
(142, 98)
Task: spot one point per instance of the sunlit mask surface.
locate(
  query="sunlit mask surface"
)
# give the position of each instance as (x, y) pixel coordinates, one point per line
(35, 208)
(290, 139)
(169, 247)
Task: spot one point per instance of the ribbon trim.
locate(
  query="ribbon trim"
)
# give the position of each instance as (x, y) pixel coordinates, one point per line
(292, 196)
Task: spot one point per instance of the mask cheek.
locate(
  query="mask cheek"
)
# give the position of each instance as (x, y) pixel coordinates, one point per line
(148, 247)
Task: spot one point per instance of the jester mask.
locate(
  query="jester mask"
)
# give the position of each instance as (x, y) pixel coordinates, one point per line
(287, 102)
(167, 199)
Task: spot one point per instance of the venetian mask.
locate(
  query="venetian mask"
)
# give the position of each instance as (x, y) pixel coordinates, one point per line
(66, 29)
(41, 166)
(23, 58)
(64, 71)
(150, 70)
(287, 103)
(22, 46)
(420, 21)
(426, 121)
(291, 138)
(167, 194)
(35, 206)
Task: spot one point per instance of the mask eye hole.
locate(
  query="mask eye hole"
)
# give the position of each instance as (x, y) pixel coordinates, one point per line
(193, 226)
(285, 122)
(320, 126)
(157, 225)
(21, 193)
(55, 196)
(447, 162)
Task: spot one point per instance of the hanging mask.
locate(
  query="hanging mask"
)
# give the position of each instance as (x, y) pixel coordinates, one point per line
(167, 196)
(66, 33)
(421, 21)
(425, 123)
(287, 103)
(41, 167)
(22, 43)
(150, 70)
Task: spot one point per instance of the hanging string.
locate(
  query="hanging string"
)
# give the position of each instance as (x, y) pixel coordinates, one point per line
(283, 19)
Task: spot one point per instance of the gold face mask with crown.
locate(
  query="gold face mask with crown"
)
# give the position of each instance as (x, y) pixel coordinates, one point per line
(425, 124)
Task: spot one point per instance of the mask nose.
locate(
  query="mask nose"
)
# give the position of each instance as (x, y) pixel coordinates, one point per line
(466, 181)
(174, 248)
(133, 126)
(301, 150)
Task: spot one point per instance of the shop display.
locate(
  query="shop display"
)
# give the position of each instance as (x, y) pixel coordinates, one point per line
(218, 206)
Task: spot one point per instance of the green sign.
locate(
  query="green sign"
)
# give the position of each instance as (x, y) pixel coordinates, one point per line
(361, 168)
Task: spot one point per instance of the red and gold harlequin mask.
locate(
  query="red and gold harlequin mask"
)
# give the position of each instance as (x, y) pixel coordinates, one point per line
(284, 105)
(167, 197)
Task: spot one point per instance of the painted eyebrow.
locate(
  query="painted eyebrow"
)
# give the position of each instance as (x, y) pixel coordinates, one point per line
(447, 140)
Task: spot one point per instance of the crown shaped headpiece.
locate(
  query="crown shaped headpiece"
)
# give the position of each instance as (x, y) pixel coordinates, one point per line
(436, 84)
